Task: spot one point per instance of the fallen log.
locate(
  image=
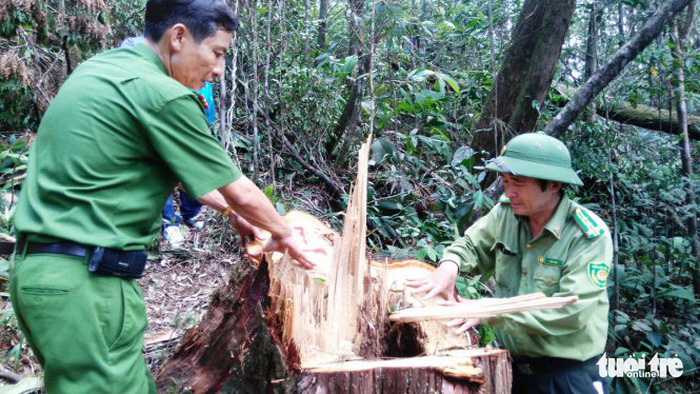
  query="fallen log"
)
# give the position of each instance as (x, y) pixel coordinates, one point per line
(640, 115)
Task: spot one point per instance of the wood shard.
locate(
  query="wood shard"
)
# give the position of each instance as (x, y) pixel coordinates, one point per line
(485, 307)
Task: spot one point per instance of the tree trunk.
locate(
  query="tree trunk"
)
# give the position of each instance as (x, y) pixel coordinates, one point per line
(620, 22)
(323, 16)
(591, 63)
(268, 101)
(238, 348)
(223, 129)
(525, 74)
(679, 41)
(227, 131)
(615, 236)
(612, 69)
(253, 9)
(344, 129)
(307, 30)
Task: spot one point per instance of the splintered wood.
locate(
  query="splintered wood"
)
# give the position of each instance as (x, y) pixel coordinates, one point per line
(322, 314)
(485, 307)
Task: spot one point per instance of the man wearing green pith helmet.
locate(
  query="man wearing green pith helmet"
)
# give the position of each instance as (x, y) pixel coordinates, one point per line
(538, 240)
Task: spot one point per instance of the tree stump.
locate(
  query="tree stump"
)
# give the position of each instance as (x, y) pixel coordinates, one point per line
(278, 328)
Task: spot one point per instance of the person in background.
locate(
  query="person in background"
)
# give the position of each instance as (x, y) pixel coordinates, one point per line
(537, 240)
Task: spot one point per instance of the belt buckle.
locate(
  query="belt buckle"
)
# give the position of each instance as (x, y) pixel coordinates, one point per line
(526, 369)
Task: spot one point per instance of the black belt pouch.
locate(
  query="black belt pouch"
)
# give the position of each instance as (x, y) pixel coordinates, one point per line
(130, 265)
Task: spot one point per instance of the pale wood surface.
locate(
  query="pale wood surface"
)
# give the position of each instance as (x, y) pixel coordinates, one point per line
(486, 307)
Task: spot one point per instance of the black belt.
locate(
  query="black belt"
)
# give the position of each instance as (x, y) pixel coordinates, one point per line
(543, 365)
(103, 261)
(64, 247)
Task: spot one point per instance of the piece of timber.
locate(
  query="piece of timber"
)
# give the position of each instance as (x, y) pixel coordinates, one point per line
(471, 309)
(466, 371)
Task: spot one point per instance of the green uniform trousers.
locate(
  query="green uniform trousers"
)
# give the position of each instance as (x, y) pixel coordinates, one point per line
(86, 330)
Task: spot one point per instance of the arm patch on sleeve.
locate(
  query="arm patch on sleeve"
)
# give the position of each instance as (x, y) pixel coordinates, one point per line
(598, 273)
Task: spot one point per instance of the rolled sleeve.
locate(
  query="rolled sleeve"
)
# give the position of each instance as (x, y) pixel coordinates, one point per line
(475, 249)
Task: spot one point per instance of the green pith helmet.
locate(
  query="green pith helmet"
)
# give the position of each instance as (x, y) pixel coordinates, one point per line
(536, 155)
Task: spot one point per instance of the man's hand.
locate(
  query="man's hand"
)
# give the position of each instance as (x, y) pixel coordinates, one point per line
(246, 230)
(289, 245)
(442, 281)
(462, 324)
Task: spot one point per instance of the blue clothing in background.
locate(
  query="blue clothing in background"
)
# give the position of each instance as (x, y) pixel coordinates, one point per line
(189, 208)
(208, 93)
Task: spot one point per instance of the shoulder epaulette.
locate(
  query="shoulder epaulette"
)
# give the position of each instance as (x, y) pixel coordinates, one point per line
(503, 199)
(589, 226)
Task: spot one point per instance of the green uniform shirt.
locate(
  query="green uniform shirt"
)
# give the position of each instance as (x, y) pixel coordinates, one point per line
(571, 256)
(114, 142)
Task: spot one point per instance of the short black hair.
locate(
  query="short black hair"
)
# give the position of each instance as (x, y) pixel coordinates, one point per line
(201, 17)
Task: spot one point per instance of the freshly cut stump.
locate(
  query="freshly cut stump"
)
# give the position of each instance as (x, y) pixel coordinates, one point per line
(285, 329)
(278, 328)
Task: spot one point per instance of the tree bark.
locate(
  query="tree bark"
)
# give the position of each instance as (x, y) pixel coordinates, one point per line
(679, 41)
(307, 30)
(228, 112)
(253, 9)
(651, 29)
(591, 63)
(620, 22)
(223, 129)
(268, 101)
(344, 129)
(525, 74)
(323, 16)
(615, 236)
(279, 328)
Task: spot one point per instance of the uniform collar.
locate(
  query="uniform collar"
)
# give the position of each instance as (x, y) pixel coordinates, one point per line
(562, 213)
(147, 53)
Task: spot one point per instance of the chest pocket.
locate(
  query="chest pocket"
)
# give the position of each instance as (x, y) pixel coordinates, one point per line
(547, 279)
(507, 271)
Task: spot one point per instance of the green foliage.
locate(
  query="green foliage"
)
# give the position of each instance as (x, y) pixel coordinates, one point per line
(432, 72)
(37, 44)
(658, 311)
(421, 206)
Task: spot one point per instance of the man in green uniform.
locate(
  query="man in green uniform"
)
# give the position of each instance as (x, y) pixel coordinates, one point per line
(122, 131)
(537, 240)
